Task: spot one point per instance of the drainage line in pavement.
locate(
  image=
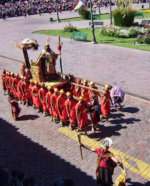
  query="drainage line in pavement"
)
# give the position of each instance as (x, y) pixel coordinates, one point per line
(99, 84)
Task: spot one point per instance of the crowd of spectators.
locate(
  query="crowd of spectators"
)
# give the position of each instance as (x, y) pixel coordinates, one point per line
(16, 178)
(14, 8)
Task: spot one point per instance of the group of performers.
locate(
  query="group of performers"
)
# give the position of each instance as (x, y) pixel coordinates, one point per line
(62, 106)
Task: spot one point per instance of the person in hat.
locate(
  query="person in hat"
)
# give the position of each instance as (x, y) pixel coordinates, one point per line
(48, 101)
(106, 162)
(77, 89)
(27, 97)
(81, 114)
(54, 105)
(36, 100)
(105, 104)
(70, 106)
(62, 108)
(15, 109)
(92, 92)
(94, 109)
(15, 84)
(42, 96)
(3, 76)
(85, 91)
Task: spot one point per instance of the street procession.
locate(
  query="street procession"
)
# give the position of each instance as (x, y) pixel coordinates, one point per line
(74, 93)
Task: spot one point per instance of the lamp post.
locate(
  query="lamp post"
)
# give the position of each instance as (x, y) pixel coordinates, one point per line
(110, 12)
(92, 24)
(58, 20)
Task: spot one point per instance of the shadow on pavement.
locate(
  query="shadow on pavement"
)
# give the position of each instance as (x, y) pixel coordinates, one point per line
(20, 153)
(130, 109)
(106, 131)
(125, 121)
(28, 117)
(130, 183)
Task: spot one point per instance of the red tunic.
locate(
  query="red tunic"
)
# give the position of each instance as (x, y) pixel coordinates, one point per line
(42, 96)
(77, 91)
(36, 99)
(72, 112)
(3, 81)
(85, 94)
(93, 92)
(61, 107)
(54, 105)
(30, 89)
(105, 104)
(27, 94)
(82, 115)
(7, 83)
(19, 90)
(15, 84)
(48, 101)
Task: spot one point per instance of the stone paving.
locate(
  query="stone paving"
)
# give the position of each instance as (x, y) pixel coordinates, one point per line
(40, 148)
(28, 145)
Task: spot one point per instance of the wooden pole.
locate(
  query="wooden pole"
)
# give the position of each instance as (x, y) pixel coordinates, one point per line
(82, 86)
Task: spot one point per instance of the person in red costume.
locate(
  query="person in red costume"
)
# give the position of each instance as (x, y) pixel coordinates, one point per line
(77, 89)
(84, 91)
(70, 106)
(42, 96)
(91, 92)
(15, 84)
(30, 89)
(105, 104)
(62, 108)
(7, 82)
(19, 89)
(54, 105)
(48, 101)
(81, 114)
(15, 109)
(26, 92)
(36, 99)
(11, 83)
(3, 76)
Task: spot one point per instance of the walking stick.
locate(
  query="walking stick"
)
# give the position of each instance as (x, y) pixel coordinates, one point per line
(79, 140)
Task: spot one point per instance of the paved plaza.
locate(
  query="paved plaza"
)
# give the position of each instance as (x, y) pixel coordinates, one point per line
(37, 146)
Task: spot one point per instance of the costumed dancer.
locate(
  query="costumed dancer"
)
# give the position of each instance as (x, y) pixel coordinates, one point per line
(15, 85)
(77, 89)
(42, 96)
(30, 89)
(94, 109)
(70, 106)
(54, 105)
(15, 109)
(117, 95)
(27, 98)
(105, 104)
(3, 76)
(36, 100)
(7, 82)
(91, 92)
(11, 83)
(84, 91)
(48, 101)
(106, 162)
(81, 114)
(19, 89)
(62, 108)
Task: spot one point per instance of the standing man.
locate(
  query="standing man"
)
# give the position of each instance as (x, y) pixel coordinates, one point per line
(105, 104)
(42, 96)
(62, 108)
(81, 114)
(48, 101)
(70, 106)
(3, 76)
(85, 91)
(106, 162)
(54, 105)
(36, 99)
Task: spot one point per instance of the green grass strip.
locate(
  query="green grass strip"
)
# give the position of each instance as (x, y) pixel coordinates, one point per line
(122, 42)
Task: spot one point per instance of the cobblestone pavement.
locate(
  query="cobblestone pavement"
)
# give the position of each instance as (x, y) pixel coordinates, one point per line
(128, 68)
(29, 145)
(40, 148)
